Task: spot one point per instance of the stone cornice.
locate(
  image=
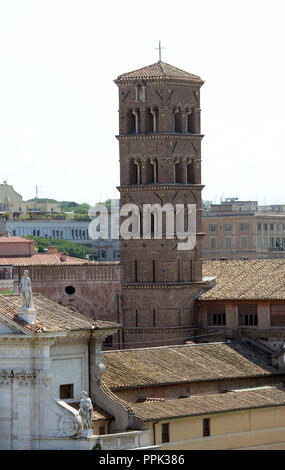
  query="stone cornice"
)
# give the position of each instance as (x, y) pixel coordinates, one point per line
(160, 187)
(180, 136)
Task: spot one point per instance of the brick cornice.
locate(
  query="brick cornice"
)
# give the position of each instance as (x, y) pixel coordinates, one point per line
(159, 329)
(160, 186)
(165, 285)
(180, 136)
(169, 81)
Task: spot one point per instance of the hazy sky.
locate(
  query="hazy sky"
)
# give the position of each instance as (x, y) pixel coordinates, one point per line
(59, 105)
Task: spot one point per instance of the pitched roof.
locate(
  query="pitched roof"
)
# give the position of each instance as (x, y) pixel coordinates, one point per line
(246, 280)
(41, 259)
(261, 397)
(159, 70)
(51, 316)
(4, 239)
(184, 364)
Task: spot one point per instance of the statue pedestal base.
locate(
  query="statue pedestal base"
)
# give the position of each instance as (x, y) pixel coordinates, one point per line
(86, 433)
(29, 315)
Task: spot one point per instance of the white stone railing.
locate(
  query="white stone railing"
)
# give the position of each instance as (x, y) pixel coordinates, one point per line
(124, 440)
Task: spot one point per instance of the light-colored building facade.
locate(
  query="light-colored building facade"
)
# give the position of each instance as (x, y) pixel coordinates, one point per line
(11, 202)
(35, 207)
(45, 365)
(239, 230)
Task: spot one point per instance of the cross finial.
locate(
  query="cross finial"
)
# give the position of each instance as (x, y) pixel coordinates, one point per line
(159, 49)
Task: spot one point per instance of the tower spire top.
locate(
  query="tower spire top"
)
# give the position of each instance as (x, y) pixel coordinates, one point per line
(159, 49)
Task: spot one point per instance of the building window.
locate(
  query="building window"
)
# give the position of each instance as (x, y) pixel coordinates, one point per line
(228, 227)
(70, 290)
(259, 227)
(216, 315)
(248, 315)
(101, 430)
(228, 242)
(243, 227)
(271, 227)
(165, 432)
(243, 242)
(66, 391)
(213, 242)
(265, 226)
(108, 341)
(217, 319)
(206, 427)
(212, 228)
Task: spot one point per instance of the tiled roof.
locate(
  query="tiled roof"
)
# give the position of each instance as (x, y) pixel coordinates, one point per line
(42, 259)
(159, 70)
(4, 239)
(183, 364)
(51, 316)
(261, 397)
(246, 280)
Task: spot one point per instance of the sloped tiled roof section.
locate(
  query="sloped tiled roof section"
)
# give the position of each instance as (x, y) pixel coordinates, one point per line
(262, 397)
(41, 259)
(159, 71)
(184, 364)
(245, 280)
(51, 316)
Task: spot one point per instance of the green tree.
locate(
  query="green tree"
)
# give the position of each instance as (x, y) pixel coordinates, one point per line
(64, 246)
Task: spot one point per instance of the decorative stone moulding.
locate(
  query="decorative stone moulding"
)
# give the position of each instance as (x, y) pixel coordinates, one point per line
(29, 315)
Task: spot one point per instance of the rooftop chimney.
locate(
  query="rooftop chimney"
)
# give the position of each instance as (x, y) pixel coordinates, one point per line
(52, 250)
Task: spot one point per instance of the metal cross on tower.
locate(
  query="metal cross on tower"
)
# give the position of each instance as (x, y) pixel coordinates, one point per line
(159, 48)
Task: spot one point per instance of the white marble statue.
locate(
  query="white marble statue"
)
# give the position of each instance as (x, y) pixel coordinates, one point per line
(86, 412)
(26, 292)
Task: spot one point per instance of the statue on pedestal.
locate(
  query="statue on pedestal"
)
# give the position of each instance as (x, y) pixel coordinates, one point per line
(26, 292)
(86, 414)
(27, 312)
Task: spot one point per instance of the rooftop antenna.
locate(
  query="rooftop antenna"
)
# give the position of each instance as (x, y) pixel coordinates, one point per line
(159, 50)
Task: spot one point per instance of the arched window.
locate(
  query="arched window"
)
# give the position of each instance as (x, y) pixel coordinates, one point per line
(191, 128)
(140, 93)
(177, 120)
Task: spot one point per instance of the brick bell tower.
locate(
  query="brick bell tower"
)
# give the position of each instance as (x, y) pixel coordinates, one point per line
(160, 162)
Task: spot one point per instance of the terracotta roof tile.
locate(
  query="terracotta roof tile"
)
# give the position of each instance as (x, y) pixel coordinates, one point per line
(4, 239)
(42, 259)
(261, 397)
(246, 280)
(159, 70)
(51, 316)
(183, 364)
